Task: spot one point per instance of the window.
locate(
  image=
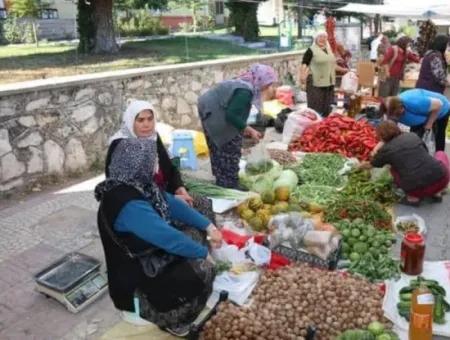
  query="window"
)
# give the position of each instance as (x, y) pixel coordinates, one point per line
(2, 13)
(49, 13)
(219, 7)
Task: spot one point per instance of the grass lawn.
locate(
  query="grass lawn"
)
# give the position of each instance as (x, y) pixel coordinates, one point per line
(26, 62)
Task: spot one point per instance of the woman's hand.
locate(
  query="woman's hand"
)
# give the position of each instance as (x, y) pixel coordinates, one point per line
(214, 236)
(182, 194)
(252, 133)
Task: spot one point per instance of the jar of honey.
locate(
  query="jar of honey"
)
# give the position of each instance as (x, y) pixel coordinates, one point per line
(412, 253)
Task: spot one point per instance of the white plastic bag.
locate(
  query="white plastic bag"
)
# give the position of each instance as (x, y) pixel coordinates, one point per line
(289, 229)
(419, 221)
(349, 82)
(259, 254)
(430, 142)
(297, 122)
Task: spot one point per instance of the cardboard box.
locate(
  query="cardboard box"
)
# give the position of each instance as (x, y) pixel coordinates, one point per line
(366, 73)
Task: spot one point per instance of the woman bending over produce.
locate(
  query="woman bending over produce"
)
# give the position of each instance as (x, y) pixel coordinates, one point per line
(414, 170)
(139, 120)
(421, 110)
(224, 111)
(147, 256)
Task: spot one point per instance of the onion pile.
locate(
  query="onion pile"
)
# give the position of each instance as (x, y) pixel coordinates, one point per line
(288, 300)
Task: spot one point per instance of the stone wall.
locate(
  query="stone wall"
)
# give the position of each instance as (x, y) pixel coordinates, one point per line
(62, 125)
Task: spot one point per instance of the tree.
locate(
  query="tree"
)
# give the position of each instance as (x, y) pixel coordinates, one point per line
(101, 14)
(30, 10)
(243, 16)
(193, 5)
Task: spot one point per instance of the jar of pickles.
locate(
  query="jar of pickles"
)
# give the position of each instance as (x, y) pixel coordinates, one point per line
(412, 253)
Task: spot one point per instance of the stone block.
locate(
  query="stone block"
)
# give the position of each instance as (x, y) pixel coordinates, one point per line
(5, 147)
(16, 183)
(33, 138)
(83, 113)
(11, 167)
(46, 118)
(105, 98)
(37, 104)
(54, 157)
(185, 121)
(168, 103)
(182, 106)
(62, 99)
(75, 156)
(191, 97)
(36, 163)
(85, 94)
(7, 108)
(135, 84)
(91, 126)
(218, 76)
(27, 121)
(196, 86)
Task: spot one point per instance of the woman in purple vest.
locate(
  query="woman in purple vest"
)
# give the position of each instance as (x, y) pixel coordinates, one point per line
(433, 72)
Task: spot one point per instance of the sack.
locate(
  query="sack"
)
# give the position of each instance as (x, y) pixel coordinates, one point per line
(430, 142)
(349, 82)
(200, 146)
(297, 122)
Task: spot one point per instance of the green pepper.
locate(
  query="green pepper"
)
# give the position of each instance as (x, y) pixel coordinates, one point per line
(439, 310)
(406, 297)
(404, 305)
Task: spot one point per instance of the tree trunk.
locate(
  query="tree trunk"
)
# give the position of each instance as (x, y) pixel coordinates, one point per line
(194, 18)
(105, 40)
(35, 36)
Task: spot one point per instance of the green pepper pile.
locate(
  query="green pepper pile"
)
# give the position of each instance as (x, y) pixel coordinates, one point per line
(441, 306)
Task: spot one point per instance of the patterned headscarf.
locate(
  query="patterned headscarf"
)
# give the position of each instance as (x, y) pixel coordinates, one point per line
(128, 118)
(131, 163)
(258, 76)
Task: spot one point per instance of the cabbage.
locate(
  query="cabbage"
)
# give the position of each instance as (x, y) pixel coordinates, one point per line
(262, 182)
(288, 179)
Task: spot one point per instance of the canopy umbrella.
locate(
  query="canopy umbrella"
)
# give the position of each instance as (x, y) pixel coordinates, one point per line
(441, 11)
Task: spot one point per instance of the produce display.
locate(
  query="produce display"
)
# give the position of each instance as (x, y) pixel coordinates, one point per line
(361, 186)
(371, 212)
(287, 301)
(208, 189)
(407, 226)
(376, 267)
(320, 194)
(441, 306)
(375, 331)
(283, 157)
(320, 169)
(338, 134)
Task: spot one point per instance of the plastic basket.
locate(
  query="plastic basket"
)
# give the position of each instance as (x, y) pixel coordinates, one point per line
(302, 256)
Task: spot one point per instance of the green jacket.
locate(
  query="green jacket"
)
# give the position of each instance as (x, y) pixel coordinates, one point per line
(323, 67)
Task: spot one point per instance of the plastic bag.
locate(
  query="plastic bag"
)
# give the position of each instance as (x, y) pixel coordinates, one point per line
(349, 82)
(418, 220)
(297, 122)
(289, 228)
(272, 107)
(285, 94)
(430, 142)
(259, 254)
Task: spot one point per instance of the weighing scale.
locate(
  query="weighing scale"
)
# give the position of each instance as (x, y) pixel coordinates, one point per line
(74, 280)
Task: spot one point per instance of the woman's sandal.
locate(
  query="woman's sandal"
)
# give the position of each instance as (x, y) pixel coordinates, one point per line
(405, 201)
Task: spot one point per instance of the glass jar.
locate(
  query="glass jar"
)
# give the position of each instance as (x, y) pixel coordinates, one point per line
(412, 253)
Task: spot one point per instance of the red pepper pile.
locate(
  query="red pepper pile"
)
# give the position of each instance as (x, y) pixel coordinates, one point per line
(338, 134)
(330, 26)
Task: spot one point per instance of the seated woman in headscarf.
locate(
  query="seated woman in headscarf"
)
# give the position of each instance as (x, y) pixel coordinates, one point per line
(224, 111)
(148, 259)
(141, 114)
(414, 170)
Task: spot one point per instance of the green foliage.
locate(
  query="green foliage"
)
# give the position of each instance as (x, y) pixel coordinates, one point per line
(126, 5)
(193, 5)
(16, 31)
(86, 27)
(243, 18)
(26, 8)
(141, 24)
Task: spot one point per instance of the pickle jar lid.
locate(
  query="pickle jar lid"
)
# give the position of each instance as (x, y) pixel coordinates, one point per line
(414, 237)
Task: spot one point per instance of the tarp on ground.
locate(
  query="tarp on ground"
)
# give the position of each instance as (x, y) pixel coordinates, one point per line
(417, 11)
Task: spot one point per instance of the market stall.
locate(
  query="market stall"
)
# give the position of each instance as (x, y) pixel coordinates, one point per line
(308, 251)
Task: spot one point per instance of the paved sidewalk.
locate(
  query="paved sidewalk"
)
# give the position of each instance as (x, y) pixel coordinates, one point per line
(41, 229)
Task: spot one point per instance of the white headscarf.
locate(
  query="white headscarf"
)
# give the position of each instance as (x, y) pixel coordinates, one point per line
(327, 44)
(129, 116)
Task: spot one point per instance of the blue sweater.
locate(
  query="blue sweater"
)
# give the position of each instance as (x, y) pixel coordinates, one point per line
(417, 104)
(139, 217)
